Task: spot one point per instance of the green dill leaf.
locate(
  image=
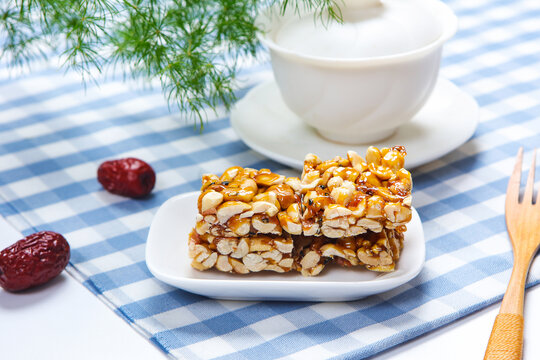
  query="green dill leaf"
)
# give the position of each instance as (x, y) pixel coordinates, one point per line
(191, 47)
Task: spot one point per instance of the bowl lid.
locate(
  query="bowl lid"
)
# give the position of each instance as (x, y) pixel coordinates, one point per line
(370, 28)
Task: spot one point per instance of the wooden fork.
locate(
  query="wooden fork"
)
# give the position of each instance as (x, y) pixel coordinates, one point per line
(523, 225)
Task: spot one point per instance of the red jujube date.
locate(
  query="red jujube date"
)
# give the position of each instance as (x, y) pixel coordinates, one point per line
(129, 177)
(33, 260)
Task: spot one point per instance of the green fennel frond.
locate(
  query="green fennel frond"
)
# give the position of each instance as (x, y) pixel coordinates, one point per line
(191, 46)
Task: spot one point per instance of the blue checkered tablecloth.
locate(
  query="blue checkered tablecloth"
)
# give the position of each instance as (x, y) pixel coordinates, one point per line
(54, 134)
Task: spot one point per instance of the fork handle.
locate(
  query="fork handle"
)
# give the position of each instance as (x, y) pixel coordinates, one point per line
(506, 340)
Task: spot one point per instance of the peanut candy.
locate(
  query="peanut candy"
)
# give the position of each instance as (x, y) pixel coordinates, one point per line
(241, 255)
(308, 256)
(349, 196)
(247, 201)
(351, 211)
(380, 251)
(374, 251)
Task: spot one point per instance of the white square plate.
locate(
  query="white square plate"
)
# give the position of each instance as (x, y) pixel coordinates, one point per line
(167, 258)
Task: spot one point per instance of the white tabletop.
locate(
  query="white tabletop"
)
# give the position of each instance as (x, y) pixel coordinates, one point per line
(47, 323)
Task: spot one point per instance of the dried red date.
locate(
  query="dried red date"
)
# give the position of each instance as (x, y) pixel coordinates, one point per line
(33, 260)
(127, 177)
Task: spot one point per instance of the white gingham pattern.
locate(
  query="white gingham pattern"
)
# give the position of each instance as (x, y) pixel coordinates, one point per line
(54, 134)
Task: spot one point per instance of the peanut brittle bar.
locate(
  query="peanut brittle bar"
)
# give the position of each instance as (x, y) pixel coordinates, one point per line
(241, 255)
(348, 211)
(375, 251)
(248, 201)
(347, 197)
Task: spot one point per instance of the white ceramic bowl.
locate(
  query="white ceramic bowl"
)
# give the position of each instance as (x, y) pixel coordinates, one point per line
(356, 100)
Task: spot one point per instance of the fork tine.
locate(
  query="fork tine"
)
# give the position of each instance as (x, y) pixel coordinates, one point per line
(512, 192)
(529, 188)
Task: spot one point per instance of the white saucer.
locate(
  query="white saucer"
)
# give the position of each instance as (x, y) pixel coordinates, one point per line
(167, 258)
(263, 121)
